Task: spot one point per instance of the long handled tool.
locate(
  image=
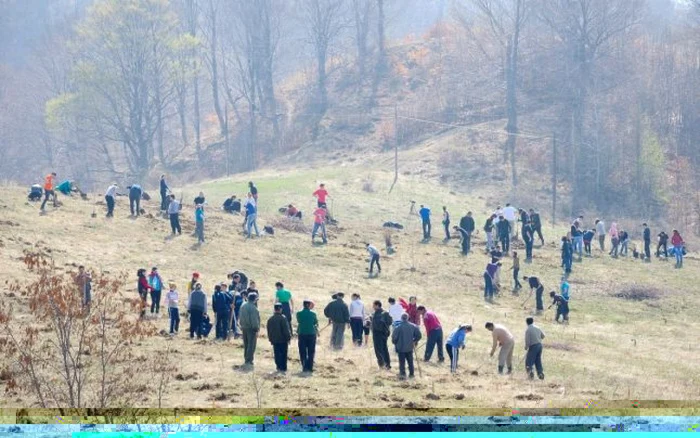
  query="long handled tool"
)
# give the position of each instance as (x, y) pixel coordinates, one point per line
(415, 357)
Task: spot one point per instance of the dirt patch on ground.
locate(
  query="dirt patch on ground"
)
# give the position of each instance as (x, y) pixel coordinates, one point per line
(638, 293)
(529, 397)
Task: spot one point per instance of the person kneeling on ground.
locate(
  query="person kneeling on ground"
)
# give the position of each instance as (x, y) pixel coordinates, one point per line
(35, 193)
(232, 205)
(293, 212)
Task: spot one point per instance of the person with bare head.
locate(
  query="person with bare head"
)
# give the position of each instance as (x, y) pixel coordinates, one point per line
(502, 337)
(533, 346)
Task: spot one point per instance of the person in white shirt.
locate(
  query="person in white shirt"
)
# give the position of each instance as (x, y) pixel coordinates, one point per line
(109, 198)
(510, 214)
(373, 259)
(174, 214)
(171, 299)
(600, 231)
(395, 311)
(357, 318)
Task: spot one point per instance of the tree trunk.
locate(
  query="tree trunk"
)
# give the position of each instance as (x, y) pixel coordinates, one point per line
(215, 69)
(182, 113)
(381, 42)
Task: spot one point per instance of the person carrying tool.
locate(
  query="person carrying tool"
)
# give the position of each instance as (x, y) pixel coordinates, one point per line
(537, 287)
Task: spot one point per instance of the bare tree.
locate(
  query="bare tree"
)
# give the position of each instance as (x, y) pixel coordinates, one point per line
(362, 12)
(211, 33)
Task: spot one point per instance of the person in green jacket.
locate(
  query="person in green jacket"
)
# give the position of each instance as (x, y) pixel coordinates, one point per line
(250, 326)
(307, 331)
(339, 314)
(279, 335)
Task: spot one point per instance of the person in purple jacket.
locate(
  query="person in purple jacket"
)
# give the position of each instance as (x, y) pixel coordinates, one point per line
(489, 275)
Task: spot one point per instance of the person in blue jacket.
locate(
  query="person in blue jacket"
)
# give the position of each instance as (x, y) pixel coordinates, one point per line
(424, 213)
(221, 305)
(455, 341)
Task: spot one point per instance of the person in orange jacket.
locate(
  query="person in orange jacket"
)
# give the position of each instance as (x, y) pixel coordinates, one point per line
(49, 186)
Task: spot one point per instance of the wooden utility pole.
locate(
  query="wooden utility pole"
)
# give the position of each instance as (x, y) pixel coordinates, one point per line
(554, 179)
(396, 147)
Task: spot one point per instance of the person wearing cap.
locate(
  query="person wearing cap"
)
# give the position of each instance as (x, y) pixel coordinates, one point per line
(250, 326)
(503, 337)
(339, 314)
(156, 283)
(307, 331)
(533, 346)
(110, 195)
(171, 299)
(647, 242)
(381, 329)
(279, 335)
(405, 337)
(455, 341)
(221, 303)
(198, 308)
(284, 297)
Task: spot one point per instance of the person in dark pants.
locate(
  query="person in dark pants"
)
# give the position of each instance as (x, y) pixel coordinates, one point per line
(516, 269)
(381, 323)
(307, 331)
(109, 199)
(135, 193)
(489, 274)
(468, 225)
(164, 200)
(198, 308)
(647, 243)
(433, 329)
(533, 346)
(156, 283)
(465, 239)
(284, 297)
(279, 335)
(221, 303)
(587, 239)
(536, 224)
(172, 301)
(143, 288)
(446, 222)
(567, 254)
(424, 213)
(405, 337)
(663, 243)
(529, 239)
(538, 288)
(524, 219)
(374, 259)
(337, 312)
(504, 231)
(562, 306)
(357, 318)
(250, 326)
(174, 214)
(49, 189)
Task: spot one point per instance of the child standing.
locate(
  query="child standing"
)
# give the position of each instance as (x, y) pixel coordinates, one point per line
(171, 298)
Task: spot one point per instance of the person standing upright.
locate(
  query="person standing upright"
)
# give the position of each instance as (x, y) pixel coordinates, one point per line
(284, 298)
(174, 208)
(424, 213)
(600, 232)
(164, 200)
(502, 337)
(156, 283)
(49, 189)
(321, 194)
(307, 331)
(381, 328)
(110, 196)
(536, 224)
(647, 242)
(533, 346)
(197, 308)
(253, 191)
(504, 232)
(678, 244)
(251, 214)
(337, 311)
(446, 222)
(405, 337)
(319, 224)
(614, 239)
(357, 318)
(221, 303)
(199, 223)
(488, 230)
(279, 335)
(171, 299)
(510, 214)
(250, 326)
(433, 330)
(663, 243)
(516, 270)
(467, 224)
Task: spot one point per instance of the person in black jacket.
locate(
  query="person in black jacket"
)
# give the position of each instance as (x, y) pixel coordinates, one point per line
(504, 233)
(279, 335)
(647, 243)
(337, 311)
(135, 194)
(524, 219)
(663, 243)
(381, 323)
(536, 224)
(164, 200)
(221, 305)
(467, 224)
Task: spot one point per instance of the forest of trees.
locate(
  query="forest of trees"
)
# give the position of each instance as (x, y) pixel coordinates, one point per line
(124, 89)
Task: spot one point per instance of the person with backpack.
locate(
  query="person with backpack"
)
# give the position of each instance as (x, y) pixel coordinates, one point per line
(381, 329)
(174, 208)
(135, 194)
(424, 213)
(199, 223)
(357, 317)
(454, 343)
(562, 306)
(156, 283)
(250, 326)
(197, 307)
(164, 199)
(405, 337)
(339, 315)
(533, 346)
(678, 244)
(171, 299)
(536, 224)
(467, 225)
(373, 259)
(646, 234)
(110, 196)
(49, 186)
(221, 303)
(488, 229)
(433, 330)
(307, 332)
(279, 335)
(143, 287)
(504, 232)
(446, 222)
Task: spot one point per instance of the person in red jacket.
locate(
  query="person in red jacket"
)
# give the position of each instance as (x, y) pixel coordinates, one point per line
(433, 328)
(143, 288)
(677, 242)
(321, 194)
(411, 307)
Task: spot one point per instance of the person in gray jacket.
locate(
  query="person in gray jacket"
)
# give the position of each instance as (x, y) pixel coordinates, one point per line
(405, 337)
(249, 320)
(197, 308)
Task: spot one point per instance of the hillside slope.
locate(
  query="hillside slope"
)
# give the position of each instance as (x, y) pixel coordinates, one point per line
(613, 348)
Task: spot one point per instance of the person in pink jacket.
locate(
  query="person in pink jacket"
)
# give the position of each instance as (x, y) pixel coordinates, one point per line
(677, 242)
(614, 239)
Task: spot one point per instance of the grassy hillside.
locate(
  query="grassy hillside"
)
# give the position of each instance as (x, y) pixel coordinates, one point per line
(613, 348)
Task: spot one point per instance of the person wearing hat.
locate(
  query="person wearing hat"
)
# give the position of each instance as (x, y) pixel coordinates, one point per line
(250, 326)
(405, 337)
(456, 340)
(198, 308)
(279, 335)
(156, 283)
(307, 331)
(339, 314)
(171, 298)
(110, 195)
(221, 303)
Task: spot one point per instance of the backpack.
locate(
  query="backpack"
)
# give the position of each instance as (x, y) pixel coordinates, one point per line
(206, 326)
(269, 230)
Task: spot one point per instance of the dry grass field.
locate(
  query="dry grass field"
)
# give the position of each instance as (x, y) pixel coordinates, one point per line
(614, 348)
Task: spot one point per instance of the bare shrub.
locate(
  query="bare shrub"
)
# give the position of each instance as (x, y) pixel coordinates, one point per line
(290, 224)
